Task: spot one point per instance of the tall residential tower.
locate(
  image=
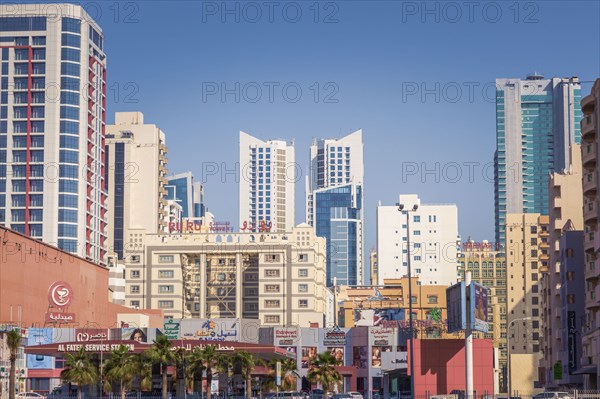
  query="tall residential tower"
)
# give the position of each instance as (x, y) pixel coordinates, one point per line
(52, 121)
(334, 204)
(537, 120)
(268, 177)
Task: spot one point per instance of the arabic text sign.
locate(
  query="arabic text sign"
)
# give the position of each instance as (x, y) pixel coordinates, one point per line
(91, 334)
(335, 337)
(209, 329)
(456, 303)
(171, 329)
(60, 317)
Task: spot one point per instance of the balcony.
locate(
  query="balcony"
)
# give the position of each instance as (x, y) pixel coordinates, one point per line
(588, 241)
(589, 184)
(558, 313)
(588, 127)
(588, 103)
(590, 216)
(588, 155)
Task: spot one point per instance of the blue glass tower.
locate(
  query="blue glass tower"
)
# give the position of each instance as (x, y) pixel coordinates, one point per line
(537, 120)
(189, 195)
(334, 203)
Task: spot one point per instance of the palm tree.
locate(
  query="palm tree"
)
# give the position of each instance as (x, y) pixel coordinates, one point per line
(180, 371)
(210, 361)
(123, 367)
(247, 363)
(289, 371)
(14, 343)
(79, 370)
(322, 370)
(161, 353)
(195, 368)
(223, 365)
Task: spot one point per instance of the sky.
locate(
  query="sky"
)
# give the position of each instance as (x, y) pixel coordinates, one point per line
(417, 78)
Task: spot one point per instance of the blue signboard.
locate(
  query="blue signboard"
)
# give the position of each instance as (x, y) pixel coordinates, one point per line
(479, 307)
(456, 303)
(40, 336)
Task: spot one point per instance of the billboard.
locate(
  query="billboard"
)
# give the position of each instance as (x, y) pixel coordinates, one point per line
(376, 317)
(479, 307)
(209, 329)
(456, 303)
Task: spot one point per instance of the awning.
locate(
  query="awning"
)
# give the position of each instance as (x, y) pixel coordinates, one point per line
(586, 370)
(105, 347)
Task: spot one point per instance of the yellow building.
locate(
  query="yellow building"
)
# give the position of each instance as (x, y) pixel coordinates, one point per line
(487, 265)
(373, 305)
(527, 255)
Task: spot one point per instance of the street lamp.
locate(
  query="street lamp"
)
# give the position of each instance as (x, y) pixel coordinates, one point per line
(410, 308)
(508, 350)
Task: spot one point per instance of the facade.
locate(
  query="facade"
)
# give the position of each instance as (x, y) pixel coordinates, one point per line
(374, 266)
(560, 286)
(527, 256)
(267, 184)
(487, 263)
(62, 136)
(434, 241)
(334, 204)
(537, 121)
(388, 305)
(590, 155)
(136, 180)
(32, 272)
(277, 278)
(189, 194)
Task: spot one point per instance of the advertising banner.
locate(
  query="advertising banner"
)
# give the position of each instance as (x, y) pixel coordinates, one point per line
(456, 304)
(479, 307)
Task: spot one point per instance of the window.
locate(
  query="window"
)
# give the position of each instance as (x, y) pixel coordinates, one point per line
(251, 306)
(417, 232)
(134, 289)
(570, 299)
(272, 258)
(534, 277)
(271, 288)
(271, 272)
(135, 259)
(303, 273)
(166, 258)
(413, 299)
(166, 274)
(302, 303)
(165, 304)
(303, 258)
(271, 303)
(416, 218)
(272, 319)
(135, 274)
(166, 289)
(570, 276)
(134, 304)
(251, 291)
(302, 287)
(432, 299)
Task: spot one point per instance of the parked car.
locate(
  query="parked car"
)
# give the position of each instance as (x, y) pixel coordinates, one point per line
(317, 394)
(356, 395)
(31, 395)
(552, 395)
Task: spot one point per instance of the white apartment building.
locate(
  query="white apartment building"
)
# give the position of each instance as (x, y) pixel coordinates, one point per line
(277, 278)
(433, 241)
(267, 181)
(52, 118)
(136, 179)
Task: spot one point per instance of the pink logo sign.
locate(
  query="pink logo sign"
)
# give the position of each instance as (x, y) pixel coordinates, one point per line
(60, 294)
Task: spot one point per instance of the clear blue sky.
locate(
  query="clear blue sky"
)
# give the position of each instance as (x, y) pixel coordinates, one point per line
(372, 52)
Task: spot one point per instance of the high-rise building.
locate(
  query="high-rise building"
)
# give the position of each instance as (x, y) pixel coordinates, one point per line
(52, 145)
(189, 194)
(590, 155)
(277, 278)
(537, 121)
(334, 204)
(527, 255)
(561, 284)
(487, 263)
(268, 177)
(434, 241)
(374, 266)
(136, 179)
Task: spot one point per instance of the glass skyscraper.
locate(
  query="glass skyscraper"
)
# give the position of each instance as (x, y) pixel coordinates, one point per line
(52, 121)
(187, 193)
(334, 203)
(537, 120)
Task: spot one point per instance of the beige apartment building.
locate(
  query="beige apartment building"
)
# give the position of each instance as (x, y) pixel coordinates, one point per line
(527, 255)
(277, 278)
(135, 179)
(590, 155)
(487, 264)
(565, 210)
